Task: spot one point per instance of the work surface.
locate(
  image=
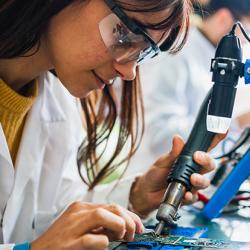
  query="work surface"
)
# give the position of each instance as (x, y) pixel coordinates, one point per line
(234, 226)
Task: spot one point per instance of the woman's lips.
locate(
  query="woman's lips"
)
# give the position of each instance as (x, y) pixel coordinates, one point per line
(100, 82)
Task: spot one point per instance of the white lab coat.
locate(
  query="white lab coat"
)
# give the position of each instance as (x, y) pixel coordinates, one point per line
(45, 178)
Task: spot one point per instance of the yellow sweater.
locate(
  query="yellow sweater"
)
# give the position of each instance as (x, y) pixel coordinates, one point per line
(13, 110)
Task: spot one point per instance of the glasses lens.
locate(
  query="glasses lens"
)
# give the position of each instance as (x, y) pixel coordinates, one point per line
(124, 45)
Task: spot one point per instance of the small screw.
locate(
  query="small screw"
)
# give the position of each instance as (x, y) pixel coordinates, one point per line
(213, 64)
(222, 72)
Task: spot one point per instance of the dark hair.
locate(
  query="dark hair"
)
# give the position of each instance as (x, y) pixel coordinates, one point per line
(238, 9)
(21, 25)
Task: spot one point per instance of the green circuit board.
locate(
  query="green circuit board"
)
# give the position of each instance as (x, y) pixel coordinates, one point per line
(192, 242)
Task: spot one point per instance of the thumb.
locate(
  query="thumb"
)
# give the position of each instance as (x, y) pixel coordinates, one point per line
(177, 146)
(168, 159)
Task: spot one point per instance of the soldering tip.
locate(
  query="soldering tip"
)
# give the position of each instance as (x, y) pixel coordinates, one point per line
(159, 228)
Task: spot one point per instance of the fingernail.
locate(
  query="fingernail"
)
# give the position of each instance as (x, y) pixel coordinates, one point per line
(123, 234)
(131, 238)
(202, 182)
(207, 182)
(200, 155)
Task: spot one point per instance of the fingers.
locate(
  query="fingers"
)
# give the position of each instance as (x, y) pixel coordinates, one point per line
(190, 198)
(77, 206)
(216, 140)
(100, 217)
(89, 226)
(168, 159)
(113, 220)
(130, 225)
(205, 160)
(139, 226)
(132, 221)
(177, 146)
(200, 157)
(94, 242)
(199, 181)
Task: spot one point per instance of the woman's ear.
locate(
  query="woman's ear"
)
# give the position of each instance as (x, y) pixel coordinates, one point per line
(225, 20)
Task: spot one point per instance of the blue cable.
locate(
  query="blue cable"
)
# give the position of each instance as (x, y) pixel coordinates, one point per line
(22, 246)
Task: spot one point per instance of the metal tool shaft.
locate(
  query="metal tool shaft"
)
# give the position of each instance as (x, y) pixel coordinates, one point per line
(183, 168)
(167, 212)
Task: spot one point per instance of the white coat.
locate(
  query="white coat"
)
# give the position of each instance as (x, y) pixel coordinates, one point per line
(45, 178)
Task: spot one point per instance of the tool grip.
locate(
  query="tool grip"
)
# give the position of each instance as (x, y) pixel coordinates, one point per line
(199, 139)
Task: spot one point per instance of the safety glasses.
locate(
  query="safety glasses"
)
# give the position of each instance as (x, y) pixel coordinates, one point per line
(124, 38)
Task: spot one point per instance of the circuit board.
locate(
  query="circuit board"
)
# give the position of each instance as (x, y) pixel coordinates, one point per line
(158, 242)
(191, 242)
(177, 231)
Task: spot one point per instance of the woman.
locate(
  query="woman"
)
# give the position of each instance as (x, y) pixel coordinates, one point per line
(86, 45)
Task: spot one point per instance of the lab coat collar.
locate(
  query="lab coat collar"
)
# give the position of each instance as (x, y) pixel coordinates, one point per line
(46, 109)
(51, 111)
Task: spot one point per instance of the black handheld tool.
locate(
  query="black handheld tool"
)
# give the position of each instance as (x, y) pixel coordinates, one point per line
(217, 107)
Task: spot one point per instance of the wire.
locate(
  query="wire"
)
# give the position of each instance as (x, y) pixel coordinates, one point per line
(244, 32)
(241, 198)
(225, 143)
(233, 29)
(233, 210)
(203, 198)
(241, 141)
(232, 32)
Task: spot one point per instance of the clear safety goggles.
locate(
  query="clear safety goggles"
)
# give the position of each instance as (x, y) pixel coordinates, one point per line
(125, 40)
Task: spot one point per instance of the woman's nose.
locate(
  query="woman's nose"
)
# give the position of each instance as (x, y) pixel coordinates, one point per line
(126, 71)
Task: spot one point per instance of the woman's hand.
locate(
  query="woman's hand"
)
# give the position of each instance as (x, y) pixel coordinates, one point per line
(147, 192)
(89, 226)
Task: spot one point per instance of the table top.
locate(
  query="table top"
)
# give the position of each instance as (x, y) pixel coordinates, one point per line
(235, 226)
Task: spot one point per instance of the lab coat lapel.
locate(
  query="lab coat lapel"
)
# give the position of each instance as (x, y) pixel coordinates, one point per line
(39, 125)
(6, 172)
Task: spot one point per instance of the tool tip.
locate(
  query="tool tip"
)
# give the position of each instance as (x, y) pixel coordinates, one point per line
(159, 228)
